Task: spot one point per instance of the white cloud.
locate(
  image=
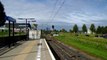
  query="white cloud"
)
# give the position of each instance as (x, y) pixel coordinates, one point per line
(73, 11)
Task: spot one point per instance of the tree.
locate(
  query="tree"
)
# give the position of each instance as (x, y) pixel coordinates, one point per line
(56, 31)
(102, 29)
(84, 28)
(92, 28)
(53, 27)
(105, 29)
(70, 30)
(63, 30)
(35, 26)
(2, 15)
(75, 28)
(98, 31)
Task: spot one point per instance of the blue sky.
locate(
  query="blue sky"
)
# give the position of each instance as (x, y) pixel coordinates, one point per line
(72, 12)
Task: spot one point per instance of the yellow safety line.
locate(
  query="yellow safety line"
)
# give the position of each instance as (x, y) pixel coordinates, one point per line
(27, 49)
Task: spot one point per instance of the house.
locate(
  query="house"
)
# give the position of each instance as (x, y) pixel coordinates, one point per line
(89, 31)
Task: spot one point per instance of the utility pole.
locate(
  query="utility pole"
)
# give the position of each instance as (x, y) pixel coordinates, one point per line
(26, 26)
(9, 28)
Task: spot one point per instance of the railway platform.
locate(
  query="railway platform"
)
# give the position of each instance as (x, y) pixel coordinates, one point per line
(30, 50)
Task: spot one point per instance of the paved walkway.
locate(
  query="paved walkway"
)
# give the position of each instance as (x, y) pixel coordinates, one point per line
(30, 50)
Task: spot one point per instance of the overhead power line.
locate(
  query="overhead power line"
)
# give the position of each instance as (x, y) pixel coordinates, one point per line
(53, 10)
(61, 5)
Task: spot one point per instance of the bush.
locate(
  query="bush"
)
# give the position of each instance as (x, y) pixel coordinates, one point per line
(96, 35)
(76, 35)
(87, 35)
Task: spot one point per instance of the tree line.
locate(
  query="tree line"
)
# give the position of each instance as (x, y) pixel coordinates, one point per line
(93, 29)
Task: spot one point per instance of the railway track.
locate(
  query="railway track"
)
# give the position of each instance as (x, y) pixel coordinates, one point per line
(64, 52)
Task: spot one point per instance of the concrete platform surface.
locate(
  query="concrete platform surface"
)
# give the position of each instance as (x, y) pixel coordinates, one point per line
(30, 50)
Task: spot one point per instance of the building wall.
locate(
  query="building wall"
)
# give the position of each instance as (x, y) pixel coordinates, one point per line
(34, 34)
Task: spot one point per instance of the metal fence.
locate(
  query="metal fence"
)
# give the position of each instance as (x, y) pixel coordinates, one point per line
(8, 41)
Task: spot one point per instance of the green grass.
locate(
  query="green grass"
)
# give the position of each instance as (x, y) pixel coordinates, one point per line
(2, 34)
(91, 45)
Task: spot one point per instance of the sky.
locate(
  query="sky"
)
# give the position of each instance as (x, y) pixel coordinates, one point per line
(61, 13)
